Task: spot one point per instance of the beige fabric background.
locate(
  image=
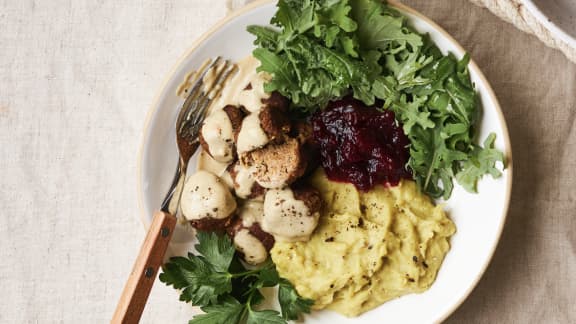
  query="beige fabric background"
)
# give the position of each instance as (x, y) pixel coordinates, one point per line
(76, 81)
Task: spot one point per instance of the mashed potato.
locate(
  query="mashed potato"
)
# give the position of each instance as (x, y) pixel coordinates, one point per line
(368, 248)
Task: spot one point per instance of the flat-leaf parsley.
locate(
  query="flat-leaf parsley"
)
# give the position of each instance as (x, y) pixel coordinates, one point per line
(225, 290)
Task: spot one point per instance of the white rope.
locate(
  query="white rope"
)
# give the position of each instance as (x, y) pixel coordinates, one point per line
(514, 12)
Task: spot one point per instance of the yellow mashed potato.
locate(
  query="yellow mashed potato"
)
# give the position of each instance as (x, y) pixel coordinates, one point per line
(368, 248)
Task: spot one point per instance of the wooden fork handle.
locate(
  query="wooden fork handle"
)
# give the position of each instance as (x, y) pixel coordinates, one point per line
(133, 298)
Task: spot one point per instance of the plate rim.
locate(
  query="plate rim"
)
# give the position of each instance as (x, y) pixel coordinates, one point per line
(154, 107)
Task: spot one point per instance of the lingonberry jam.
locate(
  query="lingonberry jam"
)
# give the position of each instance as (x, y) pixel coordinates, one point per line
(360, 145)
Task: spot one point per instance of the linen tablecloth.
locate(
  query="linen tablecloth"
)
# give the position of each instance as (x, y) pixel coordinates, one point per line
(77, 79)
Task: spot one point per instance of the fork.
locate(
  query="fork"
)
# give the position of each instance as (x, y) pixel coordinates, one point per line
(207, 86)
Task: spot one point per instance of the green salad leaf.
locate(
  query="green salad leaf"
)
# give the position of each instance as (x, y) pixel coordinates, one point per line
(225, 290)
(321, 50)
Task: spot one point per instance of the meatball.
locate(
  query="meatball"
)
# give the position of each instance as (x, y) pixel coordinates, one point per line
(211, 224)
(291, 214)
(276, 165)
(245, 186)
(269, 124)
(207, 201)
(274, 122)
(277, 101)
(302, 131)
(236, 115)
(248, 237)
(310, 197)
(219, 131)
(251, 136)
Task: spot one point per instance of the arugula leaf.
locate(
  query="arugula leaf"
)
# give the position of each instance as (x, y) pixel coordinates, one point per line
(280, 69)
(482, 162)
(292, 305)
(337, 13)
(313, 65)
(381, 28)
(268, 37)
(327, 49)
(406, 69)
(412, 113)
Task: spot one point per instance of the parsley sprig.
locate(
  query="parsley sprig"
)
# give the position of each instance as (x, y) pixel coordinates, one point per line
(225, 290)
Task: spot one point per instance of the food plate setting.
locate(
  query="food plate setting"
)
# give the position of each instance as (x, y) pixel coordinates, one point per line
(395, 106)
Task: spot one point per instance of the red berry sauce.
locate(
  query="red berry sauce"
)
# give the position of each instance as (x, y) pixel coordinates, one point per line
(360, 145)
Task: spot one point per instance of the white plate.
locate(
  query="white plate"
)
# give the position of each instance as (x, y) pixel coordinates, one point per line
(479, 218)
(558, 16)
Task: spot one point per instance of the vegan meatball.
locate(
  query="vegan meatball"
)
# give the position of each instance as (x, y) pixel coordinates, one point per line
(276, 165)
(291, 214)
(269, 124)
(245, 186)
(219, 132)
(207, 202)
(248, 237)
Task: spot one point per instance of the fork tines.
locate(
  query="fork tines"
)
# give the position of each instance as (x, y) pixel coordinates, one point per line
(206, 87)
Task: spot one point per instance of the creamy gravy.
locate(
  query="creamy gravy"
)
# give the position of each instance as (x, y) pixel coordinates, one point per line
(252, 98)
(244, 181)
(207, 163)
(251, 212)
(238, 93)
(218, 134)
(287, 218)
(205, 195)
(253, 250)
(246, 88)
(251, 135)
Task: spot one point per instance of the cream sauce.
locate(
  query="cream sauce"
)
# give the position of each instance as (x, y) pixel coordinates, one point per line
(218, 134)
(253, 250)
(236, 93)
(251, 212)
(245, 88)
(287, 218)
(244, 181)
(205, 195)
(252, 98)
(207, 163)
(251, 135)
